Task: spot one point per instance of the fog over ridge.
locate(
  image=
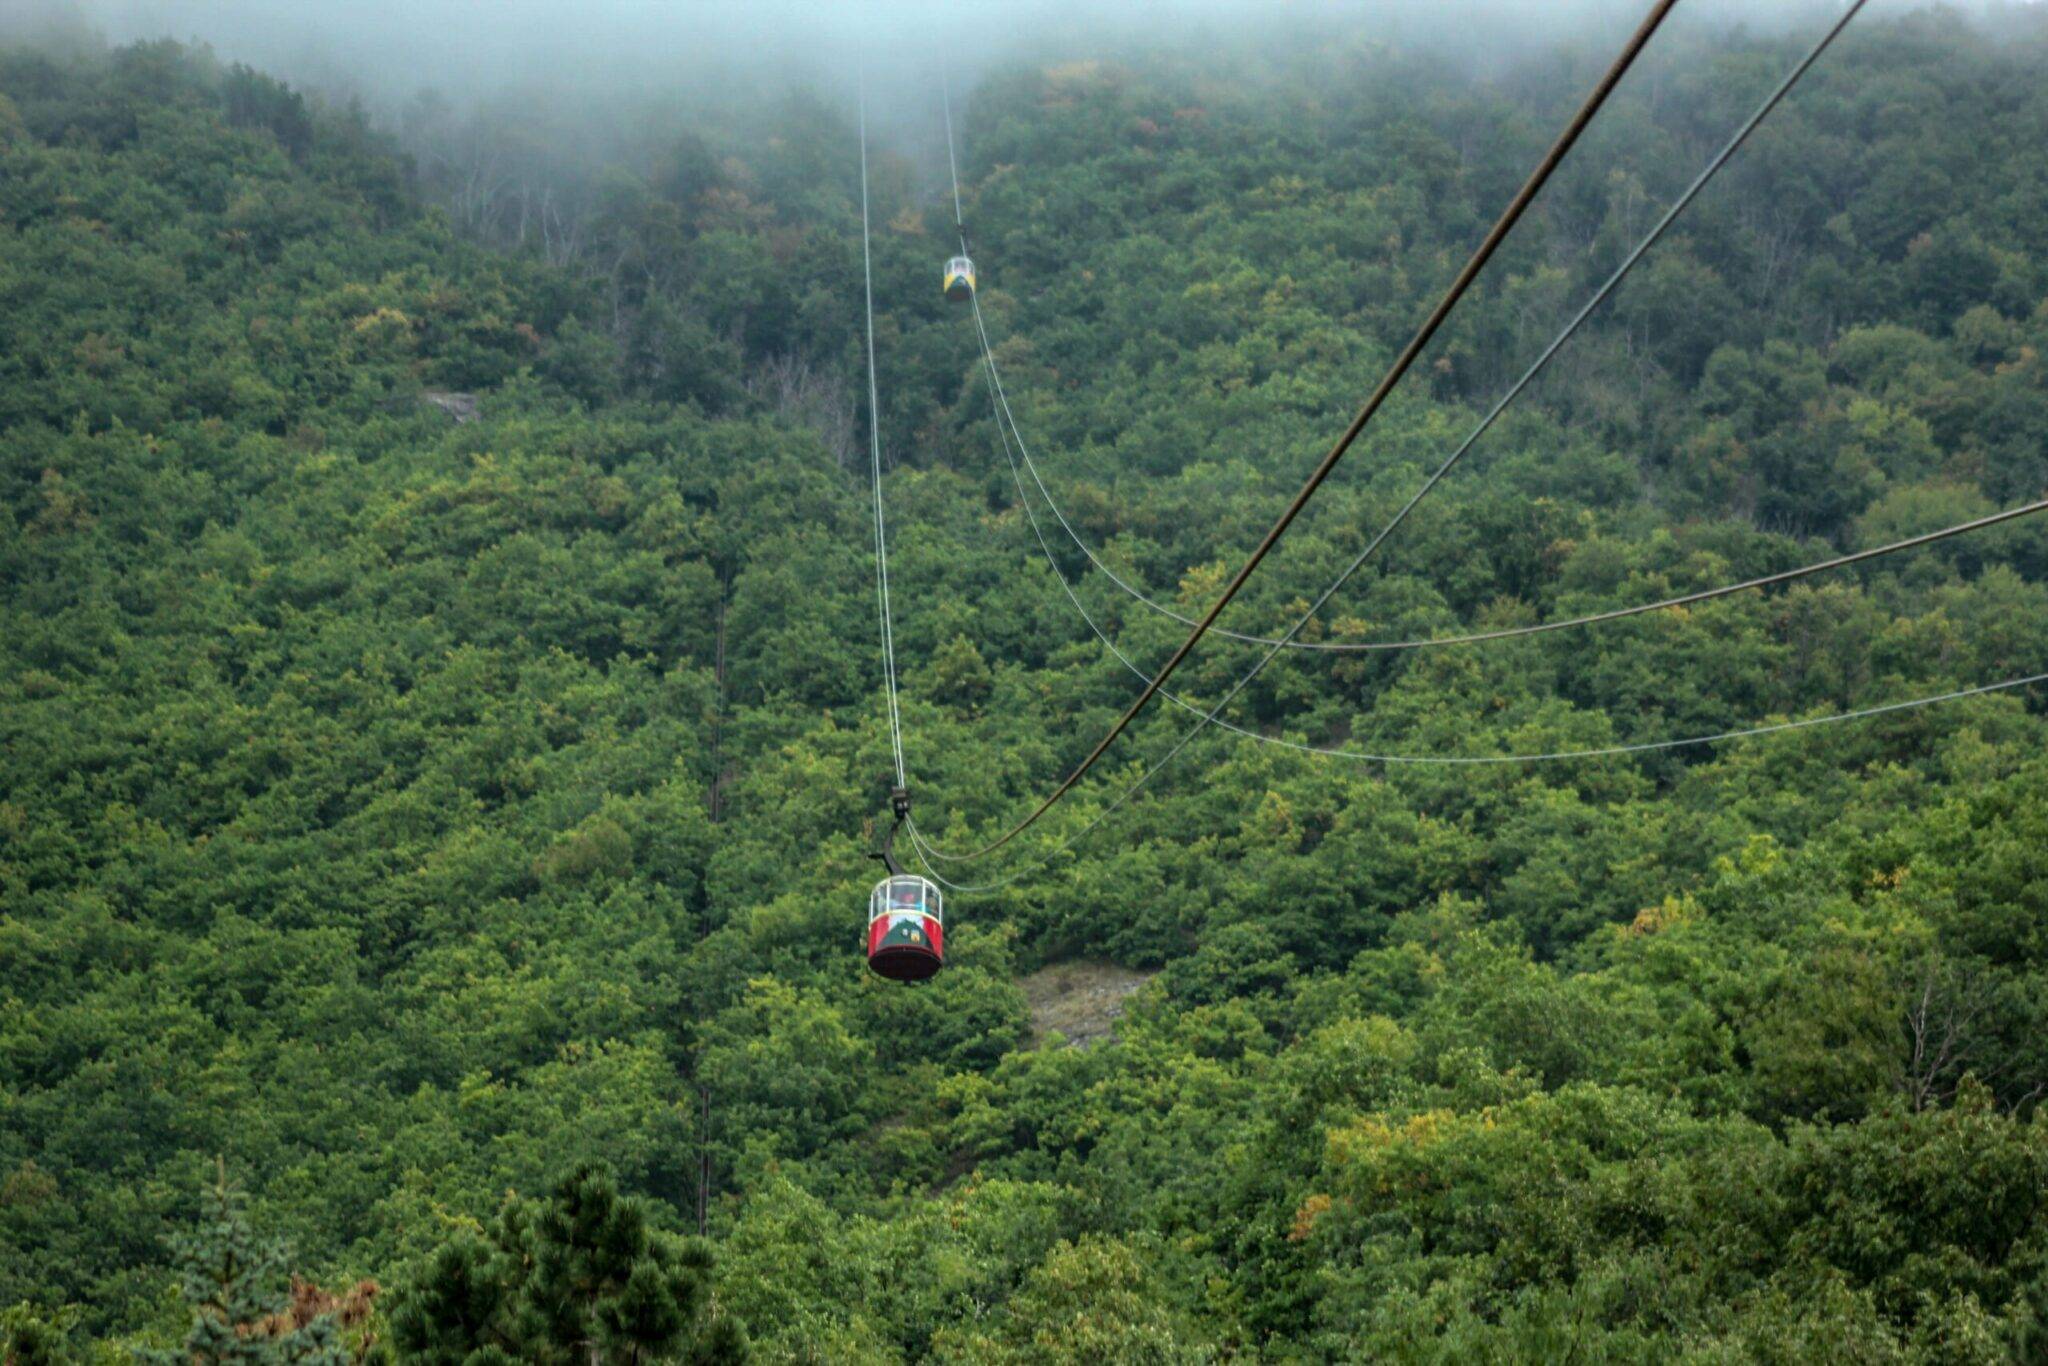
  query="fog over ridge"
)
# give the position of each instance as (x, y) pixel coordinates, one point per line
(387, 50)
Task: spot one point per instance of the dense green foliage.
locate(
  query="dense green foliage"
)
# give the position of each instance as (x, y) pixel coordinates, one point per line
(582, 1274)
(413, 812)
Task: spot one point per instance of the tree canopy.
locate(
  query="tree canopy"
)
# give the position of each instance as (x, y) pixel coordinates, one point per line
(441, 722)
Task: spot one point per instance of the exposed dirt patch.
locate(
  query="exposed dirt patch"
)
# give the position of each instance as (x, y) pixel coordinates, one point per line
(1081, 999)
(462, 407)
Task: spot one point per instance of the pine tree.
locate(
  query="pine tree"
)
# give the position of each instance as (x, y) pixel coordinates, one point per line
(578, 1278)
(233, 1280)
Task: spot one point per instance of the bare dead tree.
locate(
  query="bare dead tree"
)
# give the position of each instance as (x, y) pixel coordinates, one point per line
(562, 232)
(810, 396)
(483, 179)
(1775, 231)
(1942, 1012)
(470, 166)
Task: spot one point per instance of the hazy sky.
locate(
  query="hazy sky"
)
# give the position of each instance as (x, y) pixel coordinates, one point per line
(391, 48)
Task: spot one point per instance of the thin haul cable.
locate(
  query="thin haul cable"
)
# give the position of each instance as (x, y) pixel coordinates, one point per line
(1603, 752)
(1109, 642)
(875, 460)
(952, 162)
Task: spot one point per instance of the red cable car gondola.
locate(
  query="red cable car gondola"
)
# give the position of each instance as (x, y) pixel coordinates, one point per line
(906, 914)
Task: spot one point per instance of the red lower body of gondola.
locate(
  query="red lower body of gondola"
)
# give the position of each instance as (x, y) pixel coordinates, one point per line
(906, 948)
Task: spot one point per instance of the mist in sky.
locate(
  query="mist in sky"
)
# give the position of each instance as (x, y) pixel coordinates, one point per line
(388, 50)
(612, 80)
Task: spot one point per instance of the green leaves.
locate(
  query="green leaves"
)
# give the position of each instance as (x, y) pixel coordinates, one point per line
(416, 810)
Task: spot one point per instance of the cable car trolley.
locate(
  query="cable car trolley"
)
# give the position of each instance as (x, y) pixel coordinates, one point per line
(959, 279)
(906, 913)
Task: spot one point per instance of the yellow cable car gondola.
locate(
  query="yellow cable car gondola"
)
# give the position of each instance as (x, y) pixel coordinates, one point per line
(959, 279)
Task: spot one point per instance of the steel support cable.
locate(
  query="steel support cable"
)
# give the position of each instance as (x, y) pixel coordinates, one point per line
(875, 461)
(1604, 752)
(1591, 618)
(1466, 276)
(1542, 362)
(1109, 642)
(1768, 580)
(952, 162)
(1002, 400)
(927, 855)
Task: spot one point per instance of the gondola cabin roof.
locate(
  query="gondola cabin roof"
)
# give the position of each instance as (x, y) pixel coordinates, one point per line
(960, 279)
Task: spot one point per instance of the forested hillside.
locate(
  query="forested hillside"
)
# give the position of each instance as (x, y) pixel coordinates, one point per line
(434, 835)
